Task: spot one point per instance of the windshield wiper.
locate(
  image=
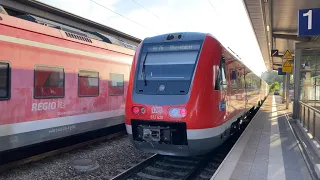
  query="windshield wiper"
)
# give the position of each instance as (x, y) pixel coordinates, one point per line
(144, 70)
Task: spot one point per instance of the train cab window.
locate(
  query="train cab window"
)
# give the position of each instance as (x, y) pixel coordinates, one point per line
(221, 83)
(49, 82)
(4, 81)
(116, 84)
(88, 83)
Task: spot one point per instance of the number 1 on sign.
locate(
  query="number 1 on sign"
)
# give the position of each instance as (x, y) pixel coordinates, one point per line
(309, 14)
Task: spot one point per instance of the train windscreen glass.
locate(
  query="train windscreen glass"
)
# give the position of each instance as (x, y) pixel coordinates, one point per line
(169, 65)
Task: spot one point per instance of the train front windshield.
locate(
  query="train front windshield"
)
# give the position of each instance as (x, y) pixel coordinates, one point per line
(173, 69)
(169, 66)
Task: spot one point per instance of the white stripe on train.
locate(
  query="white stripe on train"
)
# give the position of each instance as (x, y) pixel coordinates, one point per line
(61, 49)
(16, 128)
(203, 133)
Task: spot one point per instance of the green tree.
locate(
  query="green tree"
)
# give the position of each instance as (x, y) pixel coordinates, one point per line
(271, 77)
(274, 86)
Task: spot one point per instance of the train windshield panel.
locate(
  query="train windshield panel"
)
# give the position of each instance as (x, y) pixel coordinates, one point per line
(169, 66)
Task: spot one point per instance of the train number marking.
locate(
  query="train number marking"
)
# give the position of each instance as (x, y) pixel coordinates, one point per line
(156, 110)
(61, 129)
(153, 117)
(13, 139)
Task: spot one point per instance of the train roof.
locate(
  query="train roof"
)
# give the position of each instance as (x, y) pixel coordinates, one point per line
(56, 25)
(88, 34)
(42, 9)
(193, 36)
(178, 36)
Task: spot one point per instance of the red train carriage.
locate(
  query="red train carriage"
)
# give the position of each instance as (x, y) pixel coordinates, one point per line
(57, 81)
(185, 94)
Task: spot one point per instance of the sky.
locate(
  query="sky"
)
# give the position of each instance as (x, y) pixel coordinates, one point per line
(227, 20)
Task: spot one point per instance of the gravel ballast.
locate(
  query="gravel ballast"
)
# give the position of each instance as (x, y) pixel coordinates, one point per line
(112, 157)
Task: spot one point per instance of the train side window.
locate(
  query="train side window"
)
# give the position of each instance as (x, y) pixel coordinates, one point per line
(223, 70)
(48, 82)
(221, 83)
(88, 83)
(116, 84)
(4, 81)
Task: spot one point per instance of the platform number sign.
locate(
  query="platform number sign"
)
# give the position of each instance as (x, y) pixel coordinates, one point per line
(309, 24)
(309, 15)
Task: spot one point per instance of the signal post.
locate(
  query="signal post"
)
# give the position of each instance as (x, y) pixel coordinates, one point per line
(287, 68)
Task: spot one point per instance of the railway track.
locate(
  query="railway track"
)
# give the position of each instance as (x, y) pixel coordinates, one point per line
(215, 159)
(33, 158)
(163, 167)
(158, 167)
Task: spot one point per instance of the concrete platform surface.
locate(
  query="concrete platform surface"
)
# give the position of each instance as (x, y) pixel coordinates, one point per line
(267, 149)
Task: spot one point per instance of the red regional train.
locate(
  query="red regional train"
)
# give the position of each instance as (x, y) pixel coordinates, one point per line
(187, 94)
(57, 81)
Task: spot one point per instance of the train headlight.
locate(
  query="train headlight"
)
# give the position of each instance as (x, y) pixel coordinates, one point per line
(177, 112)
(138, 110)
(135, 110)
(143, 110)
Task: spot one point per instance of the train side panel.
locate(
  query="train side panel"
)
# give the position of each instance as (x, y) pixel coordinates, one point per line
(236, 88)
(28, 118)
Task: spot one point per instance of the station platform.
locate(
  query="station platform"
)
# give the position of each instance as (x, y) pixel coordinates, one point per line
(267, 149)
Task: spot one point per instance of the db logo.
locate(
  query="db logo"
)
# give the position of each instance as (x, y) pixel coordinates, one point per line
(156, 110)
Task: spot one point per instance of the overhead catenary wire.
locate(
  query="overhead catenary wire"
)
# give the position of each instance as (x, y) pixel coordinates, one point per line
(222, 22)
(149, 11)
(213, 7)
(146, 9)
(124, 17)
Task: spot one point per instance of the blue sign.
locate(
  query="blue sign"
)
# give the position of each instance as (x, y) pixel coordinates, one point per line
(308, 22)
(222, 106)
(280, 72)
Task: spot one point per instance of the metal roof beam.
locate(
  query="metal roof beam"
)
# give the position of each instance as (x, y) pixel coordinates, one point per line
(289, 32)
(291, 37)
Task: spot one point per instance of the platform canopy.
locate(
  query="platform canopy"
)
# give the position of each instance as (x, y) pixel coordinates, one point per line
(275, 23)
